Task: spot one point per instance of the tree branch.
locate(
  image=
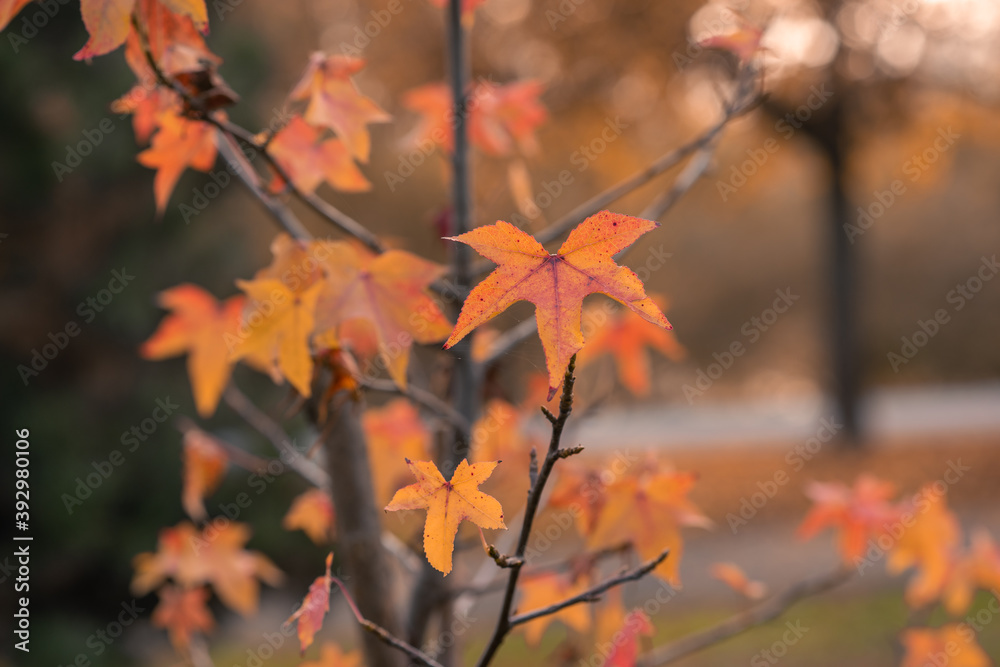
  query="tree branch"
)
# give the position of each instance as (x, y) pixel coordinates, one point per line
(593, 593)
(421, 397)
(504, 625)
(767, 610)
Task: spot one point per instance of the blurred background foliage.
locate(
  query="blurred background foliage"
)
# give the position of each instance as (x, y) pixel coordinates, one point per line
(901, 75)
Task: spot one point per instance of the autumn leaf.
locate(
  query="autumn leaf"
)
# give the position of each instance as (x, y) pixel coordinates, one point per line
(556, 283)
(732, 575)
(648, 509)
(626, 337)
(336, 103)
(956, 643)
(580, 489)
(310, 160)
(330, 655)
(183, 612)
(165, 31)
(744, 42)
(447, 504)
(858, 514)
(9, 9)
(312, 513)
(313, 609)
(178, 144)
(625, 643)
(979, 568)
(395, 434)
(213, 556)
(928, 542)
(278, 324)
(378, 298)
(548, 588)
(107, 22)
(205, 463)
(499, 435)
(197, 325)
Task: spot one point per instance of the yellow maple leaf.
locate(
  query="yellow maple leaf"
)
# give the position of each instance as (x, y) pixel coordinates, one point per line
(448, 503)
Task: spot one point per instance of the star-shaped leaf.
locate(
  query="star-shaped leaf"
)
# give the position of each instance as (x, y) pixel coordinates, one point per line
(178, 144)
(313, 609)
(556, 283)
(448, 503)
(312, 513)
(183, 612)
(309, 159)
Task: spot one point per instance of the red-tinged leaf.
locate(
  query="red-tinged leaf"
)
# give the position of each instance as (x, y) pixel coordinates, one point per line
(395, 433)
(581, 488)
(733, 576)
(312, 513)
(626, 336)
(378, 302)
(197, 325)
(953, 645)
(448, 503)
(205, 463)
(183, 612)
(556, 283)
(165, 31)
(193, 9)
(625, 651)
(9, 9)
(146, 106)
(179, 144)
(858, 514)
(336, 103)
(108, 22)
(213, 556)
(314, 606)
(330, 655)
(309, 160)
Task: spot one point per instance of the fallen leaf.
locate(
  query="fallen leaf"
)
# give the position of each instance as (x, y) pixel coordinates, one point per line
(199, 325)
(448, 503)
(335, 102)
(310, 160)
(313, 609)
(312, 513)
(205, 463)
(215, 556)
(556, 283)
(183, 612)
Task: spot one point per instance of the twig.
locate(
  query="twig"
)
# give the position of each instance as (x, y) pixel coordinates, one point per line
(238, 455)
(271, 430)
(503, 625)
(421, 397)
(593, 593)
(383, 634)
(694, 170)
(767, 610)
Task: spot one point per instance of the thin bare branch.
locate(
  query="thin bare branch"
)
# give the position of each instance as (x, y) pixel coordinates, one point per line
(271, 430)
(767, 610)
(503, 625)
(421, 397)
(237, 455)
(593, 593)
(694, 170)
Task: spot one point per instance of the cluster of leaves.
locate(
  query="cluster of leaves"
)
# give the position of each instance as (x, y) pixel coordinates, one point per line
(918, 533)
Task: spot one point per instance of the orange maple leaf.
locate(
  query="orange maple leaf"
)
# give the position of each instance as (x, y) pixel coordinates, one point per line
(198, 325)
(448, 503)
(164, 30)
(625, 642)
(309, 160)
(213, 556)
(278, 323)
(648, 510)
(335, 102)
(979, 568)
(312, 513)
(381, 298)
(928, 542)
(108, 22)
(955, 643)
(733, 576)
(548, 588)
(625, 336)
(556, 283)
(330, 655)
(313, 609)
(183, 612)
(859, 514)
(579, 489)
(205, 463)
(178, 144)
(395, 434)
